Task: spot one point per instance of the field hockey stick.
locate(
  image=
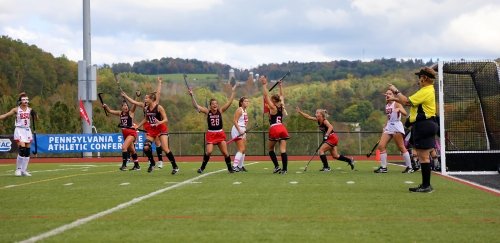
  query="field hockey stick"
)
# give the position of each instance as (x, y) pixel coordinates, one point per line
(117, 82)
(33, 117)
(191, 92)
(239, 136)
(102, 103)
(373, 149)
(315, 152)
(281, 79)
(138, 129)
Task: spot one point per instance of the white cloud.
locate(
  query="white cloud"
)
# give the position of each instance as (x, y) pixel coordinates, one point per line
(321, 18)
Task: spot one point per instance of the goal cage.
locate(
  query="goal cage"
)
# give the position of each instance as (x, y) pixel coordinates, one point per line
(469, 112)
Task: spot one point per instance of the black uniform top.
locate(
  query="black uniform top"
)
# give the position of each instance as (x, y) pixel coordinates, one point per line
(152, 115)
(276, 118)
(214, 120)
(322, 127)
(125, 119)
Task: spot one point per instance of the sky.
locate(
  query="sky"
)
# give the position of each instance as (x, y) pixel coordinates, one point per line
(248, 33)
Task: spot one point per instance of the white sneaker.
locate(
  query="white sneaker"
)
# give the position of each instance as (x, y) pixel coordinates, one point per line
(18, 173)
(160, 164)
(25, 173)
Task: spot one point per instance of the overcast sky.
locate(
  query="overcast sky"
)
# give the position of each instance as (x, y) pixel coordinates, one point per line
(247, 33)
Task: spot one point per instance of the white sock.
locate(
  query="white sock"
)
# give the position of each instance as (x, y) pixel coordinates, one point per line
(242, 161)
(19, 162)
(406, 157)
(25, 163)
(383, 159)
(237, 159)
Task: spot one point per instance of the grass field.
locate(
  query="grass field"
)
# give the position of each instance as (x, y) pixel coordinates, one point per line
(256, 206)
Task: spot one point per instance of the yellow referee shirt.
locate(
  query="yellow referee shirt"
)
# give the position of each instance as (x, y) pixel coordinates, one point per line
(423, 104)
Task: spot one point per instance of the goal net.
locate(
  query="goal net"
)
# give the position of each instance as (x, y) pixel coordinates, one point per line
(469, 111)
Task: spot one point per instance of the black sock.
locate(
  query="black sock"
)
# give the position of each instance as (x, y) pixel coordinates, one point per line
(159, 152)
(343, 158)
(274, 158)
(124, 158)
(171, 158)
(134, 157)
(149, 154)
(426, 174)
(324, 160)
(228, 162)
(206, 158)
(284, 160)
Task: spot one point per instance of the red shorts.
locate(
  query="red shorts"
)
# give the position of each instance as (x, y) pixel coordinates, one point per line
(332, 140)
(215, 137)
(155, 131)
(278, 132)
(129, 132)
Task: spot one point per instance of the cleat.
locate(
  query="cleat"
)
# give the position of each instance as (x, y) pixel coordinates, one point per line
(408, 170)
(150, 168)
(199, 171)
(175, 170)
(236, 169)
(123, 168)
(380, 170)
(420, 188)
(136, 168)
(243, 169)
(283, 172)
(25, 173)
(160, 164)
(276, 170)
(18, 172)
(351, 163)
(325, 169)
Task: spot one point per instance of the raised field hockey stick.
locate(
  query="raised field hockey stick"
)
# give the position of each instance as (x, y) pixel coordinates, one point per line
(315, 152)
(140, 130)
(191, 92)
(281, 79)
(249, 129)
(373, 149)
(117, 81)
(33, 117)
(102, 103)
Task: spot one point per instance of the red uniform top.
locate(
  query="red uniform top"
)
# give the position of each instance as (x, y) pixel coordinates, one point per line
(214, 120)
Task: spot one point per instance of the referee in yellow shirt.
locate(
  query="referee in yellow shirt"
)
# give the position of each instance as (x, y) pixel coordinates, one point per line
(422, 117)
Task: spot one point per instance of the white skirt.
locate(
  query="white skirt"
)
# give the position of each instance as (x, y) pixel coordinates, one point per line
(23, 134)
(235, 133)
(394, 127)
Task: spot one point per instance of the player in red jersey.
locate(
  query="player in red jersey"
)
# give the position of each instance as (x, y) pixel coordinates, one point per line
(215, 134)
(155, 123)
(330, 139)
(277, 131)
(22, 133)
(129, 133)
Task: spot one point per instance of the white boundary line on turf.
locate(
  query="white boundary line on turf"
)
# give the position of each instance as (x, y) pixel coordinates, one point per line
(85, 220)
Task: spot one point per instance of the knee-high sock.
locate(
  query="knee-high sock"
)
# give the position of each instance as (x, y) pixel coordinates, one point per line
(206, 158)
(25, 160)
(171, 158)
(383, 159)
(406, 157)
(159, 152)
(228, 162)
(149, 154)
(426, 174)
(284, 160)
(324, 160)
(19, 162)
(242, 161)
(124, 158)
(272, 154)
(237, 159)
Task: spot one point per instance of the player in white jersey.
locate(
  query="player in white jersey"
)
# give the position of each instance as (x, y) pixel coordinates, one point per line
(393, 129)
(22, 133)
(238, 133)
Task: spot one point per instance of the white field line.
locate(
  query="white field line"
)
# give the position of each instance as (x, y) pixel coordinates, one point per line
(85, 220)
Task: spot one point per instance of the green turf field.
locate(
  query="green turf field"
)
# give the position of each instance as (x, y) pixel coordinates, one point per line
(256, 206)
